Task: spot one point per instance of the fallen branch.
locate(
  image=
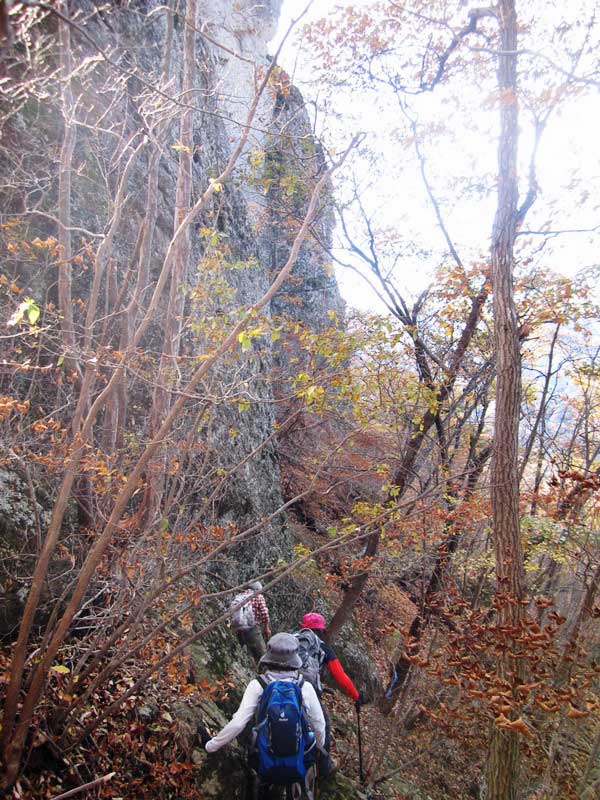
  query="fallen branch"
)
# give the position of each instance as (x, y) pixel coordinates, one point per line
(85, 786)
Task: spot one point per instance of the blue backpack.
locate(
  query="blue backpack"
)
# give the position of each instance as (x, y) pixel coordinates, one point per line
(284, 743)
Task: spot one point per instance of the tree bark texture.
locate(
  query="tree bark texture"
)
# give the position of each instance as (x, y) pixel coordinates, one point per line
(503, 759)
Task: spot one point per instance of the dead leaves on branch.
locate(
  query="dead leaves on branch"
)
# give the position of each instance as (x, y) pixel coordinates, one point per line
(517, 725)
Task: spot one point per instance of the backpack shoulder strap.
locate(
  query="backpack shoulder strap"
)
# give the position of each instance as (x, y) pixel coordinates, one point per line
(263, 682)
(315, 644)
(321, 655)
(259, 715)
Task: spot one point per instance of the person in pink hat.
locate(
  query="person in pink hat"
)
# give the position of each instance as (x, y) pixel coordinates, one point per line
(316, 654)
(316, 622)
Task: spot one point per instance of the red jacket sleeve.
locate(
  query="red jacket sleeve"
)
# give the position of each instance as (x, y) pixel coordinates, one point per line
(342, 680)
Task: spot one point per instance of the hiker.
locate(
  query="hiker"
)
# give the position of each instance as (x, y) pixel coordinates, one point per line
(248, 618)
(317, 654)
(283, 749)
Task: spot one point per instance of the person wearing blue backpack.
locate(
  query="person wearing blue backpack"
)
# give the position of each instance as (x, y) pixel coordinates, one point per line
(289, 723)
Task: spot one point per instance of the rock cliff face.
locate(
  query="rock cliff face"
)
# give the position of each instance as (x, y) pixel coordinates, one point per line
(116, 98)
(119, 51)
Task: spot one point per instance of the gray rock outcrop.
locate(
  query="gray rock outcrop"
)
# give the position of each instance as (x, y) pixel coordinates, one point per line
(116, 98)
(118, 51)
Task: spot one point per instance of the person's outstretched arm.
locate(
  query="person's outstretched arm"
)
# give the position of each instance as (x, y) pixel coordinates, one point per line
(342, 680)
(239, 720)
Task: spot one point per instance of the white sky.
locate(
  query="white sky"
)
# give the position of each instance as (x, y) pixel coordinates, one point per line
(392, 191)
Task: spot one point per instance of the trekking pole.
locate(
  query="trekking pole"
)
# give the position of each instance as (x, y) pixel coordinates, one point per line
(360, 755)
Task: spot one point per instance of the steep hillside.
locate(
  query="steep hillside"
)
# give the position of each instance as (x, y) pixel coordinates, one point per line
(119, 121)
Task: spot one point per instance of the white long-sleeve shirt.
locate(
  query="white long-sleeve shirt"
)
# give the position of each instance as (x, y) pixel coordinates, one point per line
(251, 699)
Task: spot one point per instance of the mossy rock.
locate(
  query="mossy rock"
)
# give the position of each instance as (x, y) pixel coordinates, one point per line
(18, 552)
(340, 787)
(224, 774)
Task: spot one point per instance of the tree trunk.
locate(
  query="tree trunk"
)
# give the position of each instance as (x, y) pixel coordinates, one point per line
(542, 408)
(64, 195)
(444, 554)
(128, 318)
(172, 328)
(405, 472)
(503, 759)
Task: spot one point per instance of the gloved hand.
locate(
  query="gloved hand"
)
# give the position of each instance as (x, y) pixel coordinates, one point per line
(360, 701)
(203, 735)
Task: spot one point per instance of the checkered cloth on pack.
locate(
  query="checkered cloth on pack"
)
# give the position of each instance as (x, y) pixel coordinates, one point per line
(261, 612)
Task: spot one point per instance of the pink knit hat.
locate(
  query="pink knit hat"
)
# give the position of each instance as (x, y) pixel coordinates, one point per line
(314, 621)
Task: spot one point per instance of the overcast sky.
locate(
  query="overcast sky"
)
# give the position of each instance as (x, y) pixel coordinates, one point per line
(393, 192)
